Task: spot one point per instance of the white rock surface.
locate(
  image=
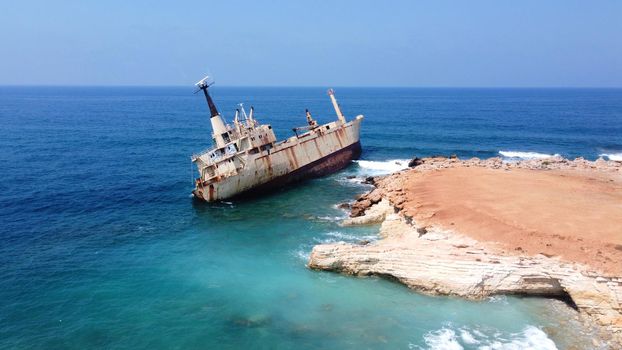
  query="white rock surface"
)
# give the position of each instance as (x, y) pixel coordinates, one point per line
(443, 262)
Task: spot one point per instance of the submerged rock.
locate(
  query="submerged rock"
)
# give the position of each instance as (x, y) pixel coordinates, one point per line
(416, 161)
(370, 180)
(255, 321)
(345, 205)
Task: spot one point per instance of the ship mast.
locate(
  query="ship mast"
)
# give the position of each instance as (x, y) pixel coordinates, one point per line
(221, 137)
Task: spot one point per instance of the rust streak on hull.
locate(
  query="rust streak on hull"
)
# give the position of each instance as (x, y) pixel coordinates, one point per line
(246, 157)
(323, 166)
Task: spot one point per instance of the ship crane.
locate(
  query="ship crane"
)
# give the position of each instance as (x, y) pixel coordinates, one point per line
(340, 115)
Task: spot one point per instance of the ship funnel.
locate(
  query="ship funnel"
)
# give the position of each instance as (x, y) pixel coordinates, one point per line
(218, 125)
(331, 93)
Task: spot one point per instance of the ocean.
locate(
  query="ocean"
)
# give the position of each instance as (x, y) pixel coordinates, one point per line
(103, 247)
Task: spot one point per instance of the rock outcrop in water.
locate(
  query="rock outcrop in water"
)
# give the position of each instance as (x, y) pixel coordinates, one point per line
(439, 259)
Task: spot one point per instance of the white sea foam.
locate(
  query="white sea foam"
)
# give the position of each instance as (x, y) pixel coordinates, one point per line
(467, 337)
(345, 211)
(348, 237)
(304, 251)
(531, 338)
(612, 156)
(339, 237)
(302, 254)
(526, 155)
(498, 299)
(443, 338)
(352, 181)
(373, 167)
(331, 218)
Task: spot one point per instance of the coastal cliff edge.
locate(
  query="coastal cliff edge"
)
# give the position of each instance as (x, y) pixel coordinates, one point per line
(475, 228)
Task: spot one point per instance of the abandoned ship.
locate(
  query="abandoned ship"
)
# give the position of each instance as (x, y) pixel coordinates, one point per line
(246, 158)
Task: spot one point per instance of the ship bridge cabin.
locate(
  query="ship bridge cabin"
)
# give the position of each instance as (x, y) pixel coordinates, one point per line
(245, 136)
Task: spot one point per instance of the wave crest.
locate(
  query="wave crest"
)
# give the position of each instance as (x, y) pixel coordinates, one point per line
(530, 337)
(382, 167)
(612, 156)
(304, 250)
(526, 155)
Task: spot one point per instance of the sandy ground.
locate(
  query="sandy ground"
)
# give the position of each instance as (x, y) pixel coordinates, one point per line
(572, 214)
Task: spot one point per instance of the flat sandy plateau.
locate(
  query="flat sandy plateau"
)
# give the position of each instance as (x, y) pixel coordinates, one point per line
(574, 214)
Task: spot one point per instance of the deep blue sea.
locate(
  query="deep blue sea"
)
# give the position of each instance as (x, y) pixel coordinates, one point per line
(103, 247)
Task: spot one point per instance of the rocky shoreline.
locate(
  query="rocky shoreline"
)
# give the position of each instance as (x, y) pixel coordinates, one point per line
(441, 260)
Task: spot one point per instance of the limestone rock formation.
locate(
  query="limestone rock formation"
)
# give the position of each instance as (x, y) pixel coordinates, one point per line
(439, 261)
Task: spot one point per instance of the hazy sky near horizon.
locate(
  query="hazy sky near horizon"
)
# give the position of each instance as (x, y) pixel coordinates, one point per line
(313, 43)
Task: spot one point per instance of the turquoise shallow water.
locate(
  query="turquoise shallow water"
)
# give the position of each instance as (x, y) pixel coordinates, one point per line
(102, 247)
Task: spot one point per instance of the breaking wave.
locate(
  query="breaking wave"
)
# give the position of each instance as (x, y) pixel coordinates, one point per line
(331, 218)
(336, 236)
(526, 155)
(499, 299)
(350, 238)
(304, 250)
(443, 338)
(612, 156)
(352, 181)
(530, 338)
(373, 167)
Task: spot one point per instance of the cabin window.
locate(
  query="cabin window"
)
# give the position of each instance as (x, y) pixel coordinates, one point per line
(327, 127)
(225, 137)
(210, 172)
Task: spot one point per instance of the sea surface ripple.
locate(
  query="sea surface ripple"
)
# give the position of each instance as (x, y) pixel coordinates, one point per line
(102, 247)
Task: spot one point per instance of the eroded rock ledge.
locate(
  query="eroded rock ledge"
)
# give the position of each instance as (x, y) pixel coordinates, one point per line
(437, 260)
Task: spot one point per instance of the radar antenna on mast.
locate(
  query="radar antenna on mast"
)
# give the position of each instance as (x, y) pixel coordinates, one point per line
(203, 84)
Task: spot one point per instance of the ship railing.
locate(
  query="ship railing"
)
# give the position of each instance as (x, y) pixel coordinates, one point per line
(195, 156)
(217, 154)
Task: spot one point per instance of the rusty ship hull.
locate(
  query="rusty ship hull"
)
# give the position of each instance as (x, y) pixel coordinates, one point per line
(321, 167)
(246, 158)
(293, 160)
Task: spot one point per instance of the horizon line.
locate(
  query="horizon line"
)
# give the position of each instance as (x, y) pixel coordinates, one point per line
(307, 86)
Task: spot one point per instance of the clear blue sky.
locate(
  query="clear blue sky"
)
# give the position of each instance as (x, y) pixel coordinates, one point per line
(312, 43)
